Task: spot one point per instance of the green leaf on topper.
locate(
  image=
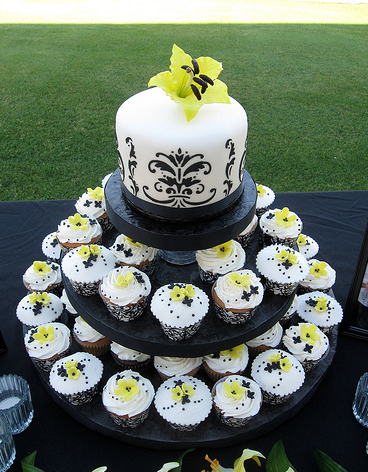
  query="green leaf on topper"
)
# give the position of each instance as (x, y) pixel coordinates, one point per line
(192, 82)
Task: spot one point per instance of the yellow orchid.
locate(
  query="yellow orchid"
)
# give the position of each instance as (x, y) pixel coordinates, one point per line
(234, 352)
(318, 269)
(223, 250)
(240, 281)
(308, 333)
(260, 190)
(285, 217)
(123, 281)
(234, 390)
(321, 304)
(177, 293)
(86, 251)
(44, 335)
(238, 464)
(191, 82)
(181, 391)
(72, 369)
(96, 193)
(77, 222)
(302, 240)
(287, 256)
(36, 297)
(41, 267)
(127, 389)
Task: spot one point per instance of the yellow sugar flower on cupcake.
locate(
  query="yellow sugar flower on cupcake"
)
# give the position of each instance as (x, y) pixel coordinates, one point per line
(233, 389)
(44, 335)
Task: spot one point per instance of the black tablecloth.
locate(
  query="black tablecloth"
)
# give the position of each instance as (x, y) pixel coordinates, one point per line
(335, 219)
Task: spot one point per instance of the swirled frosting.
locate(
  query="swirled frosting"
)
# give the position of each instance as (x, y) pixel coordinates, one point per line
(244, 405)
(209, 260)
(230, 360)
(91, 204)
(265, 196)
(46, 349)
(170, 366)
(131, 252)
(85, 332)
(125, 354)
(271, 337)
(34, 313)
(43, 279)
(67, 233)
(302, 349)
(310, 310)
(237, 296)
(120, 406)
(317, 279)
(270, 224)
(133, 291)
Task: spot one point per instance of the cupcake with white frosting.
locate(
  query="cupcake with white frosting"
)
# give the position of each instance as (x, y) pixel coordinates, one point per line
(127, 396)
(76, 377)
(280, 226)
(78, 230)
(38, 308)
(93, 205)
(265, 198)
(291, 312)
(282, 268)
(170, 366)
(86, 266)
(51, 248)
(68, 307)
(129, 358)
(227, 362)
(270, 339)
(307, 246)
(237, 295)
(89, 339)
(246, 235)
(135, 254)
(236, 400)
(180, 309)
(307, 343)
(183, 402)
(279, 374)
(321, 277)
(125, 291)
(47, 343)
(43, 276)
(220, 260)
(320, 309)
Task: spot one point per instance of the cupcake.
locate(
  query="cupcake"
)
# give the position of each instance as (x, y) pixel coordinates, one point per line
(279, 374)
(291, 312)
(228, 362)
(236, 399)
(321, 277)
(132, 253)
(307, 246)
(270, 339)
(237, 295)
(86, 266)
(180, 309)
(89, 339)
(183, 402)
(220, 260)
(92, 204)
(43, 276)
(320, 309)
(280, 227)
(127, 396)
(246, 235)
(78, 230)
(281, 268)
(76, 377)
(170, 366)
(105, 180)
(68, 307)
(47, 343)
(125, 292)
(307, 343)
(37, 308)
(265, 198)
(129, 358)
(51, 248)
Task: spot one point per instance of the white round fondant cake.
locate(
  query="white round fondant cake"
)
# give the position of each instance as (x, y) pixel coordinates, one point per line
(174, 169)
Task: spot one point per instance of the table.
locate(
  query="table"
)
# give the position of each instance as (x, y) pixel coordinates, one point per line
(335, 219)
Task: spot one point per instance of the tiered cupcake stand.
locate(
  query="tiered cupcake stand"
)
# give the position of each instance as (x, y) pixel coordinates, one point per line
(178, 243)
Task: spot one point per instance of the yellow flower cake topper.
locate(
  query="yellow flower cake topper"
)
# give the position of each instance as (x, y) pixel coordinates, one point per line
(321, 304)
(131, 242)
(239, 281)
(127, 389)
(302, 240)
(181, 392)
(123, 281)
(308, 333)
(287, 256)
(225, 249)
(318, 269)
(285, 217)
(77, 222)
(96, 193)
(234, 390)
(260, 190)
(234, 352)
(72, 369)
(180, 293)
(41, 267)
(44, 335)
(191, 82)
(37, 297)
(284, 362)
(86, 251)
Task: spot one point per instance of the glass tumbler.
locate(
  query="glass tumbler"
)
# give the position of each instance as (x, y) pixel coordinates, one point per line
(360, 403)
(7, 447)
(16, 402)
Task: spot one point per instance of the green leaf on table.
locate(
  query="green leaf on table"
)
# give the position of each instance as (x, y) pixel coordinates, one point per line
(28, 463)
(277, 460)
(325, 463)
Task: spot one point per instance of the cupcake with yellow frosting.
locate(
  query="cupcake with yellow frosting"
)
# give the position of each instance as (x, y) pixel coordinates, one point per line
(93, 205)
(43, 276)
(265, 198)
(78, 230)
(227, 362)
(280, 226)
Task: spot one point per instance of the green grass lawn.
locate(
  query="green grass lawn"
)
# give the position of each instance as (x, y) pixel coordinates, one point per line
(304, 87)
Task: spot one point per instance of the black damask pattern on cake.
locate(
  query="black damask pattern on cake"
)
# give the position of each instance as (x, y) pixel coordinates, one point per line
(132, 165)
(242, 162)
